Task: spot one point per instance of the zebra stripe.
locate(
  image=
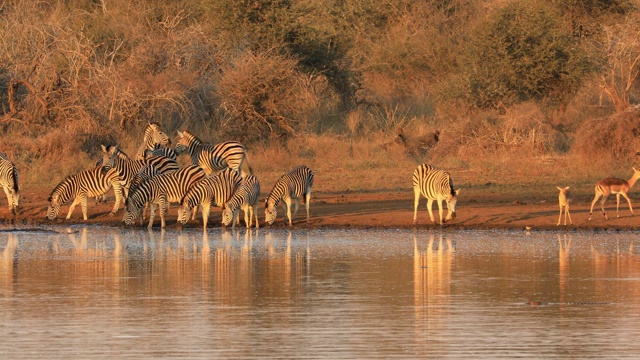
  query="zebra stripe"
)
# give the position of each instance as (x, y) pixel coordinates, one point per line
(213, 158)
(127, 168)
(213, 190)
(80, 187)
(9, 182)
(434, 184)
(159, 192)
(245, 198)
(152, 135)
(294, 185)
(160, 150)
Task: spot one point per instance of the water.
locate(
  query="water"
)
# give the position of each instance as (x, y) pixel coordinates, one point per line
(100, 292)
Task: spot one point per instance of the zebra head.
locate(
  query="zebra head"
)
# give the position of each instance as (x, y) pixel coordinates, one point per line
(109, 154)
(227, 216)
(270, 212)
(184, 213)
(54, 207)
(185, 141)
(452, 200)
(153, 135)
(14, 201)
(131, 212)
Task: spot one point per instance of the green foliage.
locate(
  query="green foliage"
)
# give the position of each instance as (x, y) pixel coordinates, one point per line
(524, 53)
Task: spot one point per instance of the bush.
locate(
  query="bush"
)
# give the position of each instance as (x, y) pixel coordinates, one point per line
(263, 94)
(611, 138)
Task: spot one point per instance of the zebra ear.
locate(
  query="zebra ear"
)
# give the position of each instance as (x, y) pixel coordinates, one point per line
(180, 133)
(104, 148)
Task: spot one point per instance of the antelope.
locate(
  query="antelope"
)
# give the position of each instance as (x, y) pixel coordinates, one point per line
(563, 201)
(616, 186)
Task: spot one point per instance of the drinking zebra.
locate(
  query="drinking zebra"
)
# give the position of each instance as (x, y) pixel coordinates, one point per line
(245, 198)
(434, 184)
(294, 185)
(213, 158)
(79, 187)
(213, 190)
(159, 192)
(9, 182)
(152, 135)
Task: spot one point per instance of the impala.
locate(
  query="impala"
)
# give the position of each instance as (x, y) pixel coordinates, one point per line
(616, 186)
(563, 201)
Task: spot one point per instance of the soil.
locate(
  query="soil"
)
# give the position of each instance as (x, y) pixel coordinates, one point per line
(369, 210)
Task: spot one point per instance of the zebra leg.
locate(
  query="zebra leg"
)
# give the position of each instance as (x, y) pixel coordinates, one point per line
(117, 190)
(296, 202)
(163, 207)
(206, 208)
(287, 204)
(255, 212)
(9, 197)
(416, 202)
(248, 215)
(83, 205)
(152, 214)
(439, 201)
(75, 202)
(429, 206)
(306, 204)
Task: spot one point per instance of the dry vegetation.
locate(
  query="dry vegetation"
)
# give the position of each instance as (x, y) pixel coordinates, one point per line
(522, 93)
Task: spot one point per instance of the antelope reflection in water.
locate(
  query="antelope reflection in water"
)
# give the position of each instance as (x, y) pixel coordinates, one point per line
(432, 281)
(564, 245)
(8, 265)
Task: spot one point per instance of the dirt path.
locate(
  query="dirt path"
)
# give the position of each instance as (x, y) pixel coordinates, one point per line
(369, 210)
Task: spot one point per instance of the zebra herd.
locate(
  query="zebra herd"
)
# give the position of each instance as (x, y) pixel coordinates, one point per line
(219, 176)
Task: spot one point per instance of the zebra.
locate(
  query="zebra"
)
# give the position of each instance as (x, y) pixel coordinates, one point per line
(9, 182)
(213, 158)
(160, 191)
(434, 184)
(127, 168)
(213, 190)
(79, 187)
(152, 135)
(245, 198)
(294, 185)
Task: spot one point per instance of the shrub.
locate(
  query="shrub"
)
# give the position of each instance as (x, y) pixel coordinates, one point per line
(263, 94)
(611, 138)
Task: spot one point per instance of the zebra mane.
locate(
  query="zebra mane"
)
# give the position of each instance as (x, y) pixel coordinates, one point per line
(2, 155)
(191, 138)
(65, 183)
(121, 154)
(14, 174)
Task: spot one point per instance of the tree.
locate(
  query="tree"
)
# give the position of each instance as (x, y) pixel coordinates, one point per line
(523, 53)
(622, 61)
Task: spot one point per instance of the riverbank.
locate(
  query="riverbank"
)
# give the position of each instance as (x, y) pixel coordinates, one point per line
(371, 209)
